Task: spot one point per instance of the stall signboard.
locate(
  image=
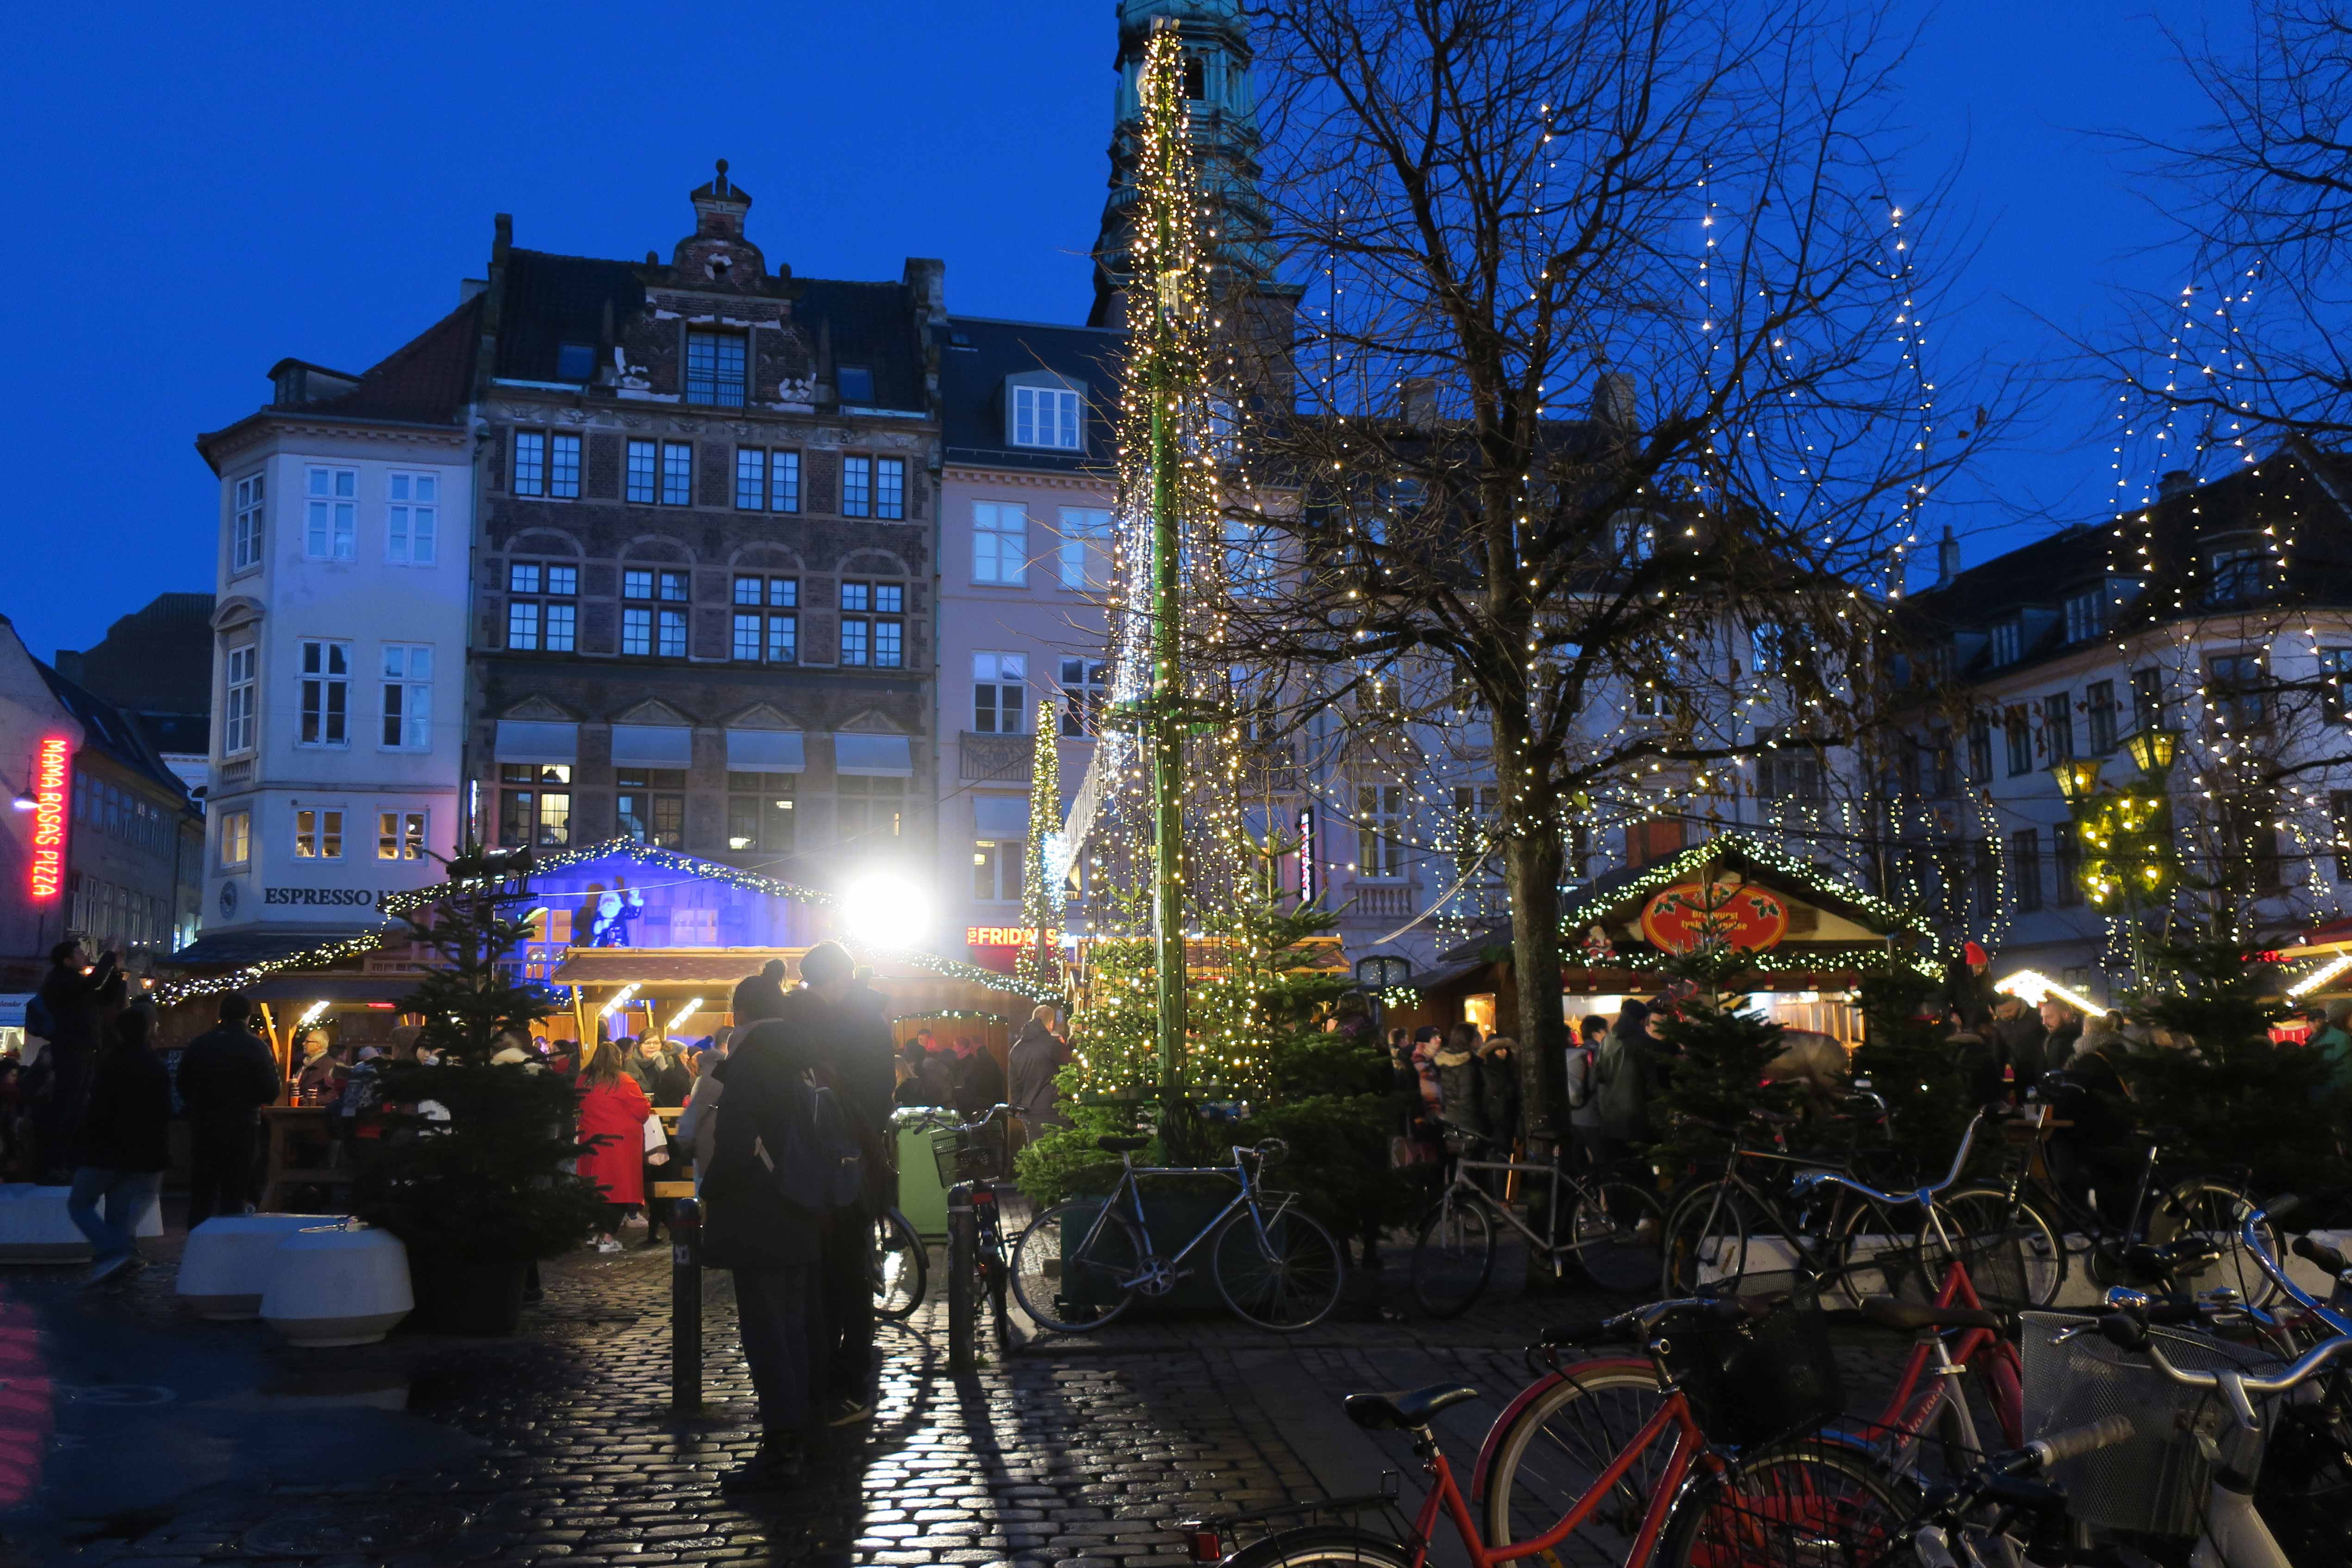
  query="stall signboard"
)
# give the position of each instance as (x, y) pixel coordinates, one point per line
(52, 779)
(1681, 917)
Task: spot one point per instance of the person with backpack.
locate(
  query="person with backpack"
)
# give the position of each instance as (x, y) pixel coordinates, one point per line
(783, 1164)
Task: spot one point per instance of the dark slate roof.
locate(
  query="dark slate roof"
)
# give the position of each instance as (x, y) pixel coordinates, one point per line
(870, 324)
(2297, 491)
(158, 657)
(235, 949)
(428, 379)
(980, 353)
(552, 300)
(181, 733)
(110, 731)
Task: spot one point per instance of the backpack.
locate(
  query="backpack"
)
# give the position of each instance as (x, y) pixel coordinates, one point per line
(37, 1018)
(822, 1173)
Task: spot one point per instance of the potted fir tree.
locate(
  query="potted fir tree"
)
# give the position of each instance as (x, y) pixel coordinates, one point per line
(469, 1169)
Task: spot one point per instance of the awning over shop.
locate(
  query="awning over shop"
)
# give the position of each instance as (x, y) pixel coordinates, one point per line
(525, 741)
(294, 985)
(1000, 816)
(766, 751)
(652, 746)
(873, 756)
(236, 950)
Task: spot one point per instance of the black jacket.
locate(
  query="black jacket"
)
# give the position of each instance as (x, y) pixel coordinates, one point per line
(227, 1075)
(767, 1105)
(666, 1080)
(130, 1108)
(73, 999)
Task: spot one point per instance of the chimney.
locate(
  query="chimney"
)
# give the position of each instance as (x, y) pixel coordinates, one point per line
(2175, 482)
(1613, 402)
(501, 236)
(1417, 402)
(927, 279)
(1947, 558)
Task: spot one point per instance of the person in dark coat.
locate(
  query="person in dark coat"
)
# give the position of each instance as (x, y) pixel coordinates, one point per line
(2062, 1028)
(663, 1077)
(124, 1146)
(1625, 1075)
(2015, 1035)
(1969, 987)
(979, 1083)
(227, 1076)
(758, 996)
(773, 1246)
(76, 1002)
(845, 1032)
(1036, 1060)
(1498, 1088)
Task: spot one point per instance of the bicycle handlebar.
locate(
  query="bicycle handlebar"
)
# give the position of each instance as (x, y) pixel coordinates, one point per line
(2237, 1385)
(2320, 1252)
(2248, 1232)
(1804, 1182)
(1633, 1326)
(2073, 1443)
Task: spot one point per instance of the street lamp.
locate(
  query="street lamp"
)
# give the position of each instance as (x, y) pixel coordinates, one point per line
(2125, 831)
(2151, 751)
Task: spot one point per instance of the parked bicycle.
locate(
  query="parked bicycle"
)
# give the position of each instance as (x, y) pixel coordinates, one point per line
(1607, 1224)
(1083, 1263)
(979, 1150)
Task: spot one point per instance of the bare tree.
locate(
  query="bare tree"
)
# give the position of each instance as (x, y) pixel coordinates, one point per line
(1611, 409)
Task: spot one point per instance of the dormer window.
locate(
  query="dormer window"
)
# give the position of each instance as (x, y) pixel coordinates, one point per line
(575, 362)
(855, 383)
(2008, 643)
(1049, 417)
(2087, 614)
(2235, 575)
(715, 368)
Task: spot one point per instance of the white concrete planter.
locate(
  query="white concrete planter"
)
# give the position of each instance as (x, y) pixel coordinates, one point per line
(226, 1266)
(336, 1285)
(36, 1229)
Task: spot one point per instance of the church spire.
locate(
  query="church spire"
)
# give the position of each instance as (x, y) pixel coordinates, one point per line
(1224, 108)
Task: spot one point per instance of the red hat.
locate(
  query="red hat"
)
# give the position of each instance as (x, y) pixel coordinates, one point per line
(1974, 954)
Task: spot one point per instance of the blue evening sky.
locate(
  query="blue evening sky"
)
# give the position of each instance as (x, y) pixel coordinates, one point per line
(196, 192)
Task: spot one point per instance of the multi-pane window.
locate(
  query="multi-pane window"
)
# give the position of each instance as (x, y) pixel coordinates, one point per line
(2147, 698)
(2249, 831)
(530, 462)
(330, 514)
(865, 807)
(1000, 543)
(2087, 614)
(1979, 749)
(1000, 693)
(1249, 559)
(873, 625)
(767, 481)
(2065, 866)
(326, 692)
(2008, 642)
(647, 632)
(643, 485)
(2099, 705)
(318, 835)
(651, 805)
(2235, 575)
(237, 710)
(874, 487)
(400, 835)
(1790, 769)
(678, 473)
(1086, 689)
(760, 810)
(1086, 548)
(236, 838)
(551, 622)
(244, 523)
(2025, 867)
(408, 696)
(2235, 692)
(714, 369)
(2018, 728)
(1047, 417)
(996, 866)
(564, 467)
(2335, 683)
(2058, 725)
(534, 804)
(412, 521)
(857, 486)
(1380, 829)
(765, 628)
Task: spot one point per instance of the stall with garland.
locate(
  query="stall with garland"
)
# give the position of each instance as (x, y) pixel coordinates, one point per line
(632, 939)
(1807, 936)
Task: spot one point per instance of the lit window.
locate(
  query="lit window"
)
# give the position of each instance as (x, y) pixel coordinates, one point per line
(245, 529)
(326, 694)
(408, 696)
(714, 369)
(642, 461)
(1045, 416)
(412, 523)
(996, 868)
(868, 808)
(760, 810)
(1000, 543)
(1000, 685)
(534, 804)
(650, 806)
(236, 838)
(236, 723)
(318, 835)
(332, 515)
(399, 835)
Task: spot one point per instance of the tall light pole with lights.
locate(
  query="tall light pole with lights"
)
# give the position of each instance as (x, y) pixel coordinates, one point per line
(2125, 834)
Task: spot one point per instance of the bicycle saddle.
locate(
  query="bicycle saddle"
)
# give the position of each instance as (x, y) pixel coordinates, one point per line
(1404, 1412)
(1910, 1317)
(2151, 1263)
(1120, 1146)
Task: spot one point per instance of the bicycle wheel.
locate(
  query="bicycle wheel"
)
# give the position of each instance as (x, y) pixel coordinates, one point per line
(2015, 1257)
(1563, 1442)
(1807, 1505)
(1313, 1546)
(901, 1267)
(1088, 1286)
(1286, 1276)
(1618, 1230)
(2208, 1211)
(1870, 1244)
(1706, 1241)
(1453, 1256)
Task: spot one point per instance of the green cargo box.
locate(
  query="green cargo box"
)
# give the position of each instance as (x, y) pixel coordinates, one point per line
(922, 1198)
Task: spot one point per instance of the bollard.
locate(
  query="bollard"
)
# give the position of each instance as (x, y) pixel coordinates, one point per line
(961, 1308)
(685, 1306)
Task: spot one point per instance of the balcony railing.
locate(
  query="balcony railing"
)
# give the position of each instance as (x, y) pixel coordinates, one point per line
(1382, 901)
(995, 759)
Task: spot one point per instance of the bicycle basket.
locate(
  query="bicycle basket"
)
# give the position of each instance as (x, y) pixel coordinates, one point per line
(1766, 1378)
(974, 1156)
(2156, 1482)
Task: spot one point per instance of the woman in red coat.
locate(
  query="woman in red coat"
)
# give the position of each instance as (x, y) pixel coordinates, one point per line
(613, 1111)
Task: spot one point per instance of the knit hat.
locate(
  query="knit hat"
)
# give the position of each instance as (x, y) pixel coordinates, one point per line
(1973, 954)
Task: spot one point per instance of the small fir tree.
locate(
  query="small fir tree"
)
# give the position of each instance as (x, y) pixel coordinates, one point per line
(1038, 969)
(1909, 1061)
(1716, 1051)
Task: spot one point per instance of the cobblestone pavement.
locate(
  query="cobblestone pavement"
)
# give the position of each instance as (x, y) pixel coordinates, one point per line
(180, 1442)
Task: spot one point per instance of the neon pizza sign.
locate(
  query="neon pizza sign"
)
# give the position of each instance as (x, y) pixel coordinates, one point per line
(52, 774)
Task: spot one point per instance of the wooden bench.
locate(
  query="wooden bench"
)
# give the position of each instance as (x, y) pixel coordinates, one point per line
(674, 1187)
